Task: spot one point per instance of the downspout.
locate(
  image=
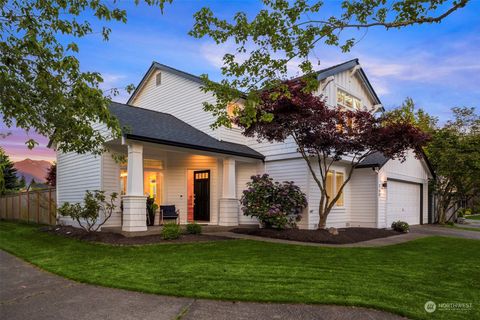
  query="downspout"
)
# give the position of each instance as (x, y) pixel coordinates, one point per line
(377, 202)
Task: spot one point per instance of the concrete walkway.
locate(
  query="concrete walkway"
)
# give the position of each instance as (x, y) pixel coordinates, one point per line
(27, 292)
(416, 232)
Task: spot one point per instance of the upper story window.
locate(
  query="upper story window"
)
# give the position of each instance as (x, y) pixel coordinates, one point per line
(232, 112)
(346, 100)
(158, 79)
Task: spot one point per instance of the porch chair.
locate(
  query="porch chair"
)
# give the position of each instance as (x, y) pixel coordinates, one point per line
(169, 212)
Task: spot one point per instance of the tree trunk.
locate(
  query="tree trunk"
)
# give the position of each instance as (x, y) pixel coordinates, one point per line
(323, 214)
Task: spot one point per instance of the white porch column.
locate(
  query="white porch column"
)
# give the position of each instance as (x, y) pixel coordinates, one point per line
(228, 201)
(134, 202)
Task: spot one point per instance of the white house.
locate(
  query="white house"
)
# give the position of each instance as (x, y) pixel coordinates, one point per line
(174, 156)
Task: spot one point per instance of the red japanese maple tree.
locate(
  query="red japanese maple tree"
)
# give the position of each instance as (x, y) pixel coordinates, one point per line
(325, 135)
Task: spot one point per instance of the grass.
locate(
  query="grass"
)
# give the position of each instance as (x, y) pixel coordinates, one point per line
(399, 278)
(476, 217)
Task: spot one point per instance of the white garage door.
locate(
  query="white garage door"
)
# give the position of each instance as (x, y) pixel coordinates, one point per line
(403, 202)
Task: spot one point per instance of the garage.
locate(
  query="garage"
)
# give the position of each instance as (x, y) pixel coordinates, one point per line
(403, 202)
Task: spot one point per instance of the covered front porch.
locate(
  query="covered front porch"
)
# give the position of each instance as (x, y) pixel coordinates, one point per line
(177, 165)
(201, 185)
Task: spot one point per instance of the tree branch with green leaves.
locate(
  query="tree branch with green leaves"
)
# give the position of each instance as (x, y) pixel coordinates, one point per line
(42, 85)
(286, 33)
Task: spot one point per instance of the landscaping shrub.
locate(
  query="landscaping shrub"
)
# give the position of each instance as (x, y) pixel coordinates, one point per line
(194, 228)
(464, 212)
(400, 226)
(171, 231)
(275, 204)
(94, 211)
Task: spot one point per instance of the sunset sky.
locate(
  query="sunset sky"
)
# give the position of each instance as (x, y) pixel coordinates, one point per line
(437, 65)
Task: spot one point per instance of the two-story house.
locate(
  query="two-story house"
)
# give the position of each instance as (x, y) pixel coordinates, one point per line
(177, 158)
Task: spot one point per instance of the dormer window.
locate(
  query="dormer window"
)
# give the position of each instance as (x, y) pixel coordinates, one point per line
(158, 79)
(346, 100)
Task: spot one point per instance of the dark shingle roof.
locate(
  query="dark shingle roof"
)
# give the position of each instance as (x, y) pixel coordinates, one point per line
(376, 159)
(163, 128)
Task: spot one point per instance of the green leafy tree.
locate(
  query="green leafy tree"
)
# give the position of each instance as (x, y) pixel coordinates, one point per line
(455, 155)
(454, 152)
(285, 33)
(8, 174)
(42, 85)
(410, 113)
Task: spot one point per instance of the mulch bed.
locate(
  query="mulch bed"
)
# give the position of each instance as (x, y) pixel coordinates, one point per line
(119, 239)
(345, 235)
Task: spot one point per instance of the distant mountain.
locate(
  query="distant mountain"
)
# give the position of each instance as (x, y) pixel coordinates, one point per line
(32, 169)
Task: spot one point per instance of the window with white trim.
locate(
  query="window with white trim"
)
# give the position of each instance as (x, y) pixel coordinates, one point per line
(346, 100)
(333, 184)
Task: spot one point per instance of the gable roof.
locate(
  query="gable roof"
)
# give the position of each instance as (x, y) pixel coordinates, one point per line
(378, 160)
(158, 66)
(330, 71)
(163, 128)
(321, 74)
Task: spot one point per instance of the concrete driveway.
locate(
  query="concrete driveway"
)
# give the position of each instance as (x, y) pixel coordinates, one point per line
(436, 230)
(27, 292)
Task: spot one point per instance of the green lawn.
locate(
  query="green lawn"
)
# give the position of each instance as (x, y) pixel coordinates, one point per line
(473, 217)
(398, 278)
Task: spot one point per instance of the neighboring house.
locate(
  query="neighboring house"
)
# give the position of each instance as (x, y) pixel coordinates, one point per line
(176, 157)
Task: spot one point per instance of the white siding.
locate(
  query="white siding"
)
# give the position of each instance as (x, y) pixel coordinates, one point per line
(363, 198)
(292, 170)
(411, 169)
(110, 184)
(77, 173)
(244, 171)
(183, 98)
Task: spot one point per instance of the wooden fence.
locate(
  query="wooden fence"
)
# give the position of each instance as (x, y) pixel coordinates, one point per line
(37, 206)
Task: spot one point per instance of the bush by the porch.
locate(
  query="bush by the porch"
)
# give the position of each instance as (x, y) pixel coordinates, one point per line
(400, 226)
(194, 228)
(93, 213)
(171, 231)
(274, 204)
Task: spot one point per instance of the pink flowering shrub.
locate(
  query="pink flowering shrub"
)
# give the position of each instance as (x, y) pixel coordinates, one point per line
(275, 204)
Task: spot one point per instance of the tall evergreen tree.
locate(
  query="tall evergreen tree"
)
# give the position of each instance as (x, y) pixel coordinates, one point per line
(51, 177)
(8, 174)
(22, 183)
